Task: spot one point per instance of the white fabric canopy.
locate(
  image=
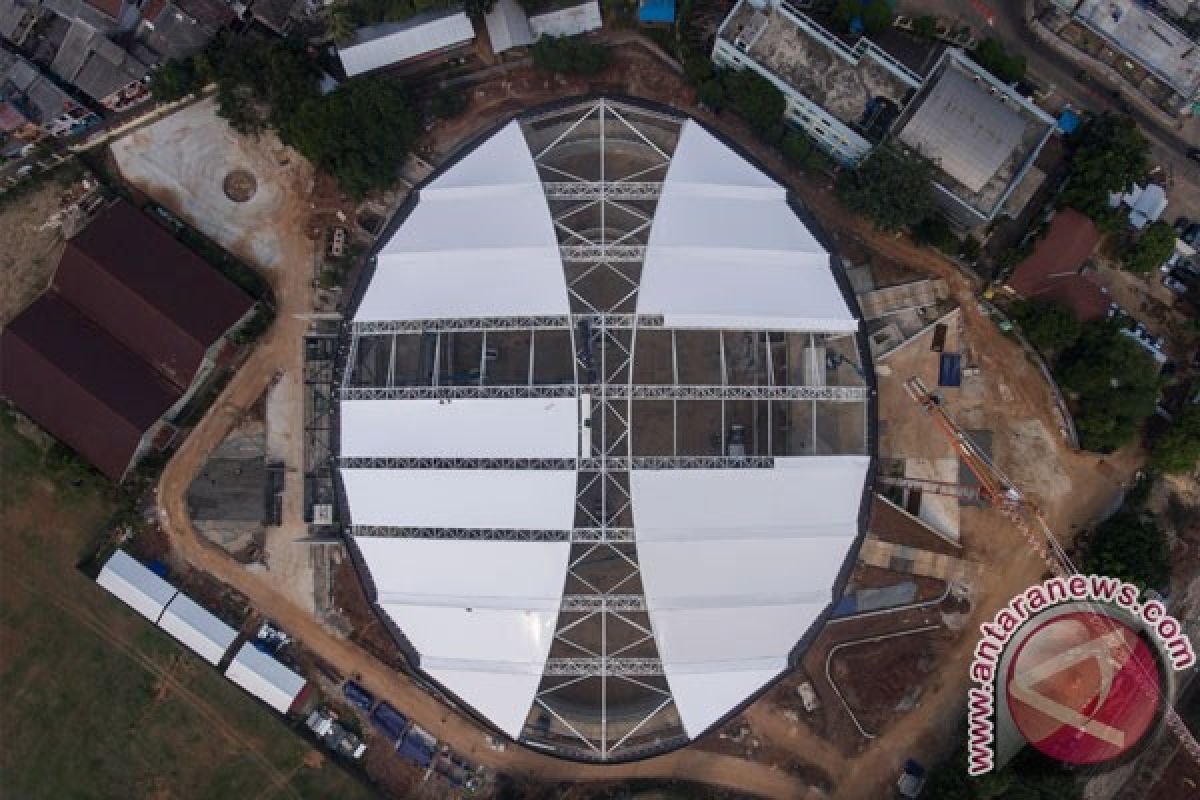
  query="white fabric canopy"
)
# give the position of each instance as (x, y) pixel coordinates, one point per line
(265, 678)
(462, 498)
(481, 614)
(197, 628)
(135, 585)
(384, 45)
(744, 558)
(726, 251)
(461, 428)
(569, 21)
(480, 243)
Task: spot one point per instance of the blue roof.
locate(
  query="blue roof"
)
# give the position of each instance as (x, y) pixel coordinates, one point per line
(1068, 121)
(656, 11)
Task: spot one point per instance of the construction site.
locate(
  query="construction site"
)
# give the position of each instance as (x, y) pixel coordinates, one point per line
(579, 514)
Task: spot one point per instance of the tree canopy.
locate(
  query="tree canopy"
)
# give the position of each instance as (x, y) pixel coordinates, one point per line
(570, 55)
(1178, 449)
(890, 187)
(872, 15)
(1111, 155)
(1115, 383)
(1131, 547)
(758, 101)
(362, 156)
(360, 133)
(1149, 248)
(176, 78)
(1049, 327)
(991, 55)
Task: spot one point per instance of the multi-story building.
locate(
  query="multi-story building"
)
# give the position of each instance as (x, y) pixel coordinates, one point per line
(844, 96)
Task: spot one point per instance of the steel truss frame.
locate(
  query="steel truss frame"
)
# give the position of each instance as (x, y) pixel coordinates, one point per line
(609, 190)
(603, 668)
(622, 463)
(574, 535)
(601, 391)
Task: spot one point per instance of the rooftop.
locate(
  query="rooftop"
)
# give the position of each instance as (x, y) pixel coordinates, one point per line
(587, 384)
(978, 132)
(1157, 44)
(393, 43)
(839, 78)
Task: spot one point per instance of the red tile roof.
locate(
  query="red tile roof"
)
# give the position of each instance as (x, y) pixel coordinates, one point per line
(118, 338)
(153, 9)
(153, 295)
(110, 7)
(1053, 271)
(80, 384)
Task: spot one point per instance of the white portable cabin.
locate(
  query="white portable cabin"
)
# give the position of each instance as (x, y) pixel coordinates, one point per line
(265, 678)
(197, 628)
(136, 585)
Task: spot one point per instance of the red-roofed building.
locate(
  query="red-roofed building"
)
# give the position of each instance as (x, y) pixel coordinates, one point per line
(1055, 271)
(132, 323)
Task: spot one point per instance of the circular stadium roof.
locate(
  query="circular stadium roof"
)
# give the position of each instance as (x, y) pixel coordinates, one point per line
(603, 430)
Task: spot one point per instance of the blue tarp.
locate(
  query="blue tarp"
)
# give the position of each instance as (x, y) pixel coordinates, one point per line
(1068, 121)
(389, 720)
(656, 11)
(415, 752)
(950, 373)
(358, 695)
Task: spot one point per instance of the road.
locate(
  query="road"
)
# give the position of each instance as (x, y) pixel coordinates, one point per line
(1005, 20)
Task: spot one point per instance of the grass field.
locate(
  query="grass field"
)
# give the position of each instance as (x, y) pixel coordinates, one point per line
(98, 703)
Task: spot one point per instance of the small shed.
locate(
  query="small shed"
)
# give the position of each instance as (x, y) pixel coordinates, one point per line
(197, 628)
(569, 21)
(265, 678)
(135, 585)
(656, 12)
(507, 26)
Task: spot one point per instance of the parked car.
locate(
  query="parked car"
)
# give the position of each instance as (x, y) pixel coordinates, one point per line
(1192, 234)
(1174, 284)
(912, 780)
(1181, 224)
(1194, 153)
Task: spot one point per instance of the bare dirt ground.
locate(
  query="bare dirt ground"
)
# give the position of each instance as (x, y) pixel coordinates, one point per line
(182, 161)
(1011, 401)
(29, 248)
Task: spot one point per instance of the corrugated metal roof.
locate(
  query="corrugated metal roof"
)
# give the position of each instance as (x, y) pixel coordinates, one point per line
(567, 21)
(135, 585)
(964, 129)
(265, 678)
(384, 45)
(197, 628)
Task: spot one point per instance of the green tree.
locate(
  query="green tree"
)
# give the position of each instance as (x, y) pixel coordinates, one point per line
(478, 8)
(799, 151)
(1130, 547)
(174, 79)
(758, 102)
(1149, 248)
(1178, 449)
(360, 133)
(1111, 155)
(936, 232)
(1115, 383)
(991, 55)
(890, 187)
(570, 55)
(925, 27)
(1048, 326)
(876, 16)
(342, 25)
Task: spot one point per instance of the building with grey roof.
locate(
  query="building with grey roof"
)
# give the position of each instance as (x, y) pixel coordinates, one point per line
(1164, 50)
(39, 99)
(507, 26)
(981, 135)
(182, 28)
(17, 18)
(101, 68)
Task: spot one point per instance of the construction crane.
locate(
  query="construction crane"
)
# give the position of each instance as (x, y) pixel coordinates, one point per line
(1000, 493)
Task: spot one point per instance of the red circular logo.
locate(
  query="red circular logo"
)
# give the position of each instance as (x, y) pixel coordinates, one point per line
(1084, 687)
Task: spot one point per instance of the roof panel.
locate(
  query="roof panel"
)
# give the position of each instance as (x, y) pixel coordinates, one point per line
(265, 678)
(484, 634)
(135, 585)
(504, 698)
(461, 428)
(197, 628)
(466, 573)
(462, 498)
(703, 698)
(384, 45)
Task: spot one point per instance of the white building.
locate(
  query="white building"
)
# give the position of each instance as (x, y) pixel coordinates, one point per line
(843, 97)
(197, 628)
(1146, 204)
(569, 21)
(265, 678)
(131, 582)
(421, 36)
(602, 478)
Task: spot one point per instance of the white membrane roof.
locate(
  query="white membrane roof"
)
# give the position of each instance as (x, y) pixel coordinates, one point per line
(726, 250)
(265, 678)
(521, 427)
(479, 243)
(135, 585)
(462, 498)
(197, 628)
(752, 569)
